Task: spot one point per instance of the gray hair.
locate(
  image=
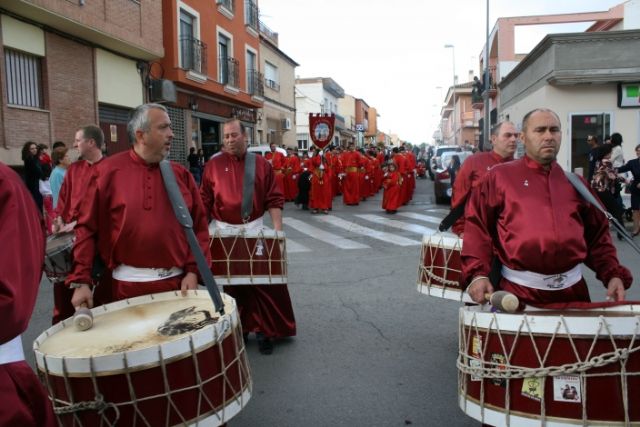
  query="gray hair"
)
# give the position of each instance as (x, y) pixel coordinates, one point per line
(140, 119)
(495, 129)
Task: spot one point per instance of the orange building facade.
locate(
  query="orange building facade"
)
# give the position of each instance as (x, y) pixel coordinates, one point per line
(211, 55)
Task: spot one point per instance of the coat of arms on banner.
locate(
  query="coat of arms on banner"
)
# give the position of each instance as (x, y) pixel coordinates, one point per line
(321, 128)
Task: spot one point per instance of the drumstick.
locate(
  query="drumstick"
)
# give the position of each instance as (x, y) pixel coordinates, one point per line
(503, 301)
(83, 318)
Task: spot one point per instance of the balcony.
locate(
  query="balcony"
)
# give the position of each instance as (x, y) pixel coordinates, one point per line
(255, 85)
(272, 84)
(268, 33)
(477, 101)
(226, 6)
(251, 16)
(193, 55)
(229, 72)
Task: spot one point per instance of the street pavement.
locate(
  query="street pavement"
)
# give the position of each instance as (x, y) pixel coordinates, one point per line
(370, 350)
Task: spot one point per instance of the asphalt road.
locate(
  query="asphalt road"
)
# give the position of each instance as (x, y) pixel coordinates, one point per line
(370, 350)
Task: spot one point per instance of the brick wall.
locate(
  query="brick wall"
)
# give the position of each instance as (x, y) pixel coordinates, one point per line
(70, 86)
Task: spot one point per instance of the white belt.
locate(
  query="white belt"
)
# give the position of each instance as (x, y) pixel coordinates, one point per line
(127, 273)
(256, 224)
(11, 351)
(545, 282)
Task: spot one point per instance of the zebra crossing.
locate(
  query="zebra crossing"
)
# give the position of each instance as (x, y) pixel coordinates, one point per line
(346, 234)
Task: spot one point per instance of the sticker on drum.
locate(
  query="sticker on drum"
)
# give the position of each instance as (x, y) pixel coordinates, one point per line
(248, 257)
(58, 261)
(440, 268)
(160, 359)
(549, 367)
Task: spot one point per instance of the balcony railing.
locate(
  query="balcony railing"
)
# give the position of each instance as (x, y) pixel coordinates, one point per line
(268, 32)
(476, 92)
(251, 14)
(255, 83)
(193, 55)
(272, 84)
(229, 71)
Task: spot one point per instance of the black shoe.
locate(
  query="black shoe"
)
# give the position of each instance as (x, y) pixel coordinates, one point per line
(245, 337)
(619, 235)
(265, 345)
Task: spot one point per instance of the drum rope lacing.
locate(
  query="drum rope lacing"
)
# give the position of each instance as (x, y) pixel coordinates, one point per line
(428, 270)
(94, 405)
(504, 370)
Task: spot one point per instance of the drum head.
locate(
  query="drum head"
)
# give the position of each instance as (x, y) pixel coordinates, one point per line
(59, 242)
(138, 326)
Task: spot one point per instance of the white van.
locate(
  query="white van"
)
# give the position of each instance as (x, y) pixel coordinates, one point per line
(264, 149)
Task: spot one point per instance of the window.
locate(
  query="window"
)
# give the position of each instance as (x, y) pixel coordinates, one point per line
(224, 46)
(192, 50)
(24, 79)
(271, 76)
(251, 14)
(251, 72)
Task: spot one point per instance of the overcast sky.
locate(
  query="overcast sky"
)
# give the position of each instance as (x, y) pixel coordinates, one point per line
(391, 53)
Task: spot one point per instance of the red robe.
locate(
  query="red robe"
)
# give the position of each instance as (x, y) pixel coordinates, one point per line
(24, 400)
(292, 173)
(411, 176)
(265, 309)
(392, 197)
(278, 162)
(128, 219)
(537, 222)
(320, 196)
(337, 169)
(401, 168)
(471, 172)
(72, 193)
(351, 183)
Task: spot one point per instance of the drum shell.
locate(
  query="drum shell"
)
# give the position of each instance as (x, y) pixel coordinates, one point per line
(58, 260)
(602, 391)
(440, 268)
(248, 257)
(204, 381)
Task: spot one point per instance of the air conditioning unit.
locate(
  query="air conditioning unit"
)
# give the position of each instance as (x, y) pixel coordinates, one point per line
(163, 91)
(286, 123)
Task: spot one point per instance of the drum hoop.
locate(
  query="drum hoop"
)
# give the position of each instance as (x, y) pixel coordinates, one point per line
(178, 349)
(442, 240)
(249, 234)
(63, 247)
(540, 324)
(503, 412)
(446, 292)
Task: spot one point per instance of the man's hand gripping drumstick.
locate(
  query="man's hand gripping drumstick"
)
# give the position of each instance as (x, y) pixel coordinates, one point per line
(82, 300)
(480, 290)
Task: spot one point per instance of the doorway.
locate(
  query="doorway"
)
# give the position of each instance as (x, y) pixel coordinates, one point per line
(583, 125)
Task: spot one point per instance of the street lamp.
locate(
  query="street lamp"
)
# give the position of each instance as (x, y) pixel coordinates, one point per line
(453, 56)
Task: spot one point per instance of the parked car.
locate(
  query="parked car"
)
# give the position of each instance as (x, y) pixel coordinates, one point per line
(442, 181)
(264, 149)
(438, 151)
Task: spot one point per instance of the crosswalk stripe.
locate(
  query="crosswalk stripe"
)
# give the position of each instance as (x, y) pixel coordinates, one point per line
(438, 210)
(421, 217)
(322, 235)
(369, 232)
(294, 247)
(414, 228)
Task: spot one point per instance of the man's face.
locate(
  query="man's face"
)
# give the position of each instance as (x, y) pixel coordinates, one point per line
(272, 147)
(233, 139)
(82, 144)
(504, 143)
(157, 139)
(542, 137)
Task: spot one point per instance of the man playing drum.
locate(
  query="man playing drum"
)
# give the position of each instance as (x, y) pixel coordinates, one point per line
(265, 310)
(540, 226)
(88, 141)
(128, 219)
(503, 141)
(24, 400)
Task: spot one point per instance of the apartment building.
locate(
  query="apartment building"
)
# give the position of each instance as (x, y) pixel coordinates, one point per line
(212, 58)
(276, 120)
(318, 95)
(64, 64)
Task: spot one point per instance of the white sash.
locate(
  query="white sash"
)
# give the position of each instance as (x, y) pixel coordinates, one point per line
(126, 273)
(545, 282)
(11, 351)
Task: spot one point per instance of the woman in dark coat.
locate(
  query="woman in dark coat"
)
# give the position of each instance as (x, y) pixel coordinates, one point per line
(32, 171)
(633, 166)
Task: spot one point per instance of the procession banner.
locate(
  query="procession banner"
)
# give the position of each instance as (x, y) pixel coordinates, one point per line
(321, 129)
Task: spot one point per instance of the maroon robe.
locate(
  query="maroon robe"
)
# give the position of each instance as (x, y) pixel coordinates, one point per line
(351, 181)
(72, 192)
(24, 400)
(267, 308)
(471, 172)
(128, 219)
(537, 222)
